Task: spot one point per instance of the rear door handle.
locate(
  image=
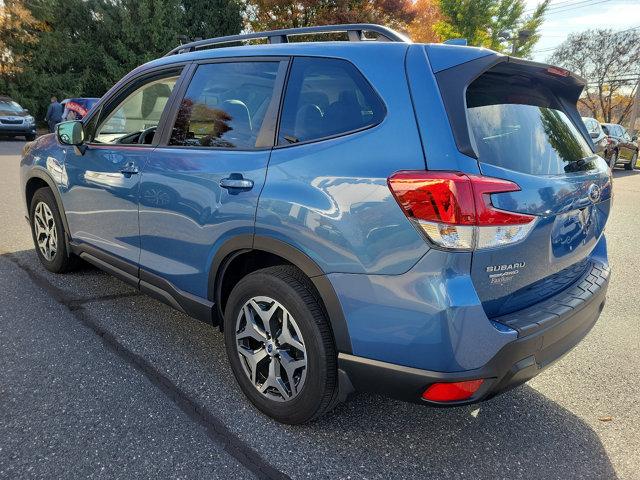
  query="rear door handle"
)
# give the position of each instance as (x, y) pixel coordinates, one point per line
(236, 182)
(129, 169)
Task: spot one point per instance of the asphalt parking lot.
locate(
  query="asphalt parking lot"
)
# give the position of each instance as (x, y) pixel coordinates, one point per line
(98, 381)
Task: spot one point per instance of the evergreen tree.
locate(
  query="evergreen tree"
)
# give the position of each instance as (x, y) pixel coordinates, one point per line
(80, 48)
(213, 18)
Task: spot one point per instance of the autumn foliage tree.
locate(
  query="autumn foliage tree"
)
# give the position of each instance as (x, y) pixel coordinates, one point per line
(277, 14)
(427, 16)
(18, 27)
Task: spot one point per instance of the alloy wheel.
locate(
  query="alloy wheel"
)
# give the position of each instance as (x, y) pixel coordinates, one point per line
(271, 348)
(45, 230)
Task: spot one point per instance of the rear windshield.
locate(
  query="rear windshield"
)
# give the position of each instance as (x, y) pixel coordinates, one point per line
(519, 125)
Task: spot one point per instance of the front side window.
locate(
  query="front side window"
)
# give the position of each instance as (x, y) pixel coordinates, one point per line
(135, 119)
(326, 97)
(225, 105)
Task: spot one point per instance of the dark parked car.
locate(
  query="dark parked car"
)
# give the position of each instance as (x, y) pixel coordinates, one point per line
(600, 140)
(625, 147)
(366, 215)
(77, 108)
(15, 120)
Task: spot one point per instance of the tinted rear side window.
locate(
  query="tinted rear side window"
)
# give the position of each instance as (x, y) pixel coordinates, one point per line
(520, 126)
(326, 97)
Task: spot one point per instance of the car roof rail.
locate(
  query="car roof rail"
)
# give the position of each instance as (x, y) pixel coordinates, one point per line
(355, 32)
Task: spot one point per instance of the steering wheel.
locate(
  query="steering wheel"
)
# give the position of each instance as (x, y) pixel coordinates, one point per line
(144, 133)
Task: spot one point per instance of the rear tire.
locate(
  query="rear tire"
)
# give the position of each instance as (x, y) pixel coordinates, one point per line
(30, 138)
(289, 373)
(632, 163)
(48, 232)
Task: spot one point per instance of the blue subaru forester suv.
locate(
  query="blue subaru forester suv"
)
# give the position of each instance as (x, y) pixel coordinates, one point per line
(425, 221)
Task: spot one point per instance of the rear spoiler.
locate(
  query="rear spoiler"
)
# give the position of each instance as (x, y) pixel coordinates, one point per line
(454, 73)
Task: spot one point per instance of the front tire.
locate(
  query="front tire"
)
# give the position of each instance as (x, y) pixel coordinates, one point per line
(614, 159)
(30, 137)
(48, 232)
(280, 345)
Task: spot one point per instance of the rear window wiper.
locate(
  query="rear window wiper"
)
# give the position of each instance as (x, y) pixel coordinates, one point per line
(577, 165)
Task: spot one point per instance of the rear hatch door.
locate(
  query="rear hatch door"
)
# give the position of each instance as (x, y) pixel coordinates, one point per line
(521, 123)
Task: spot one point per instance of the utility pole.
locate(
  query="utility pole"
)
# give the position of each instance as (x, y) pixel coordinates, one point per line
(520, 38)
(634, 110)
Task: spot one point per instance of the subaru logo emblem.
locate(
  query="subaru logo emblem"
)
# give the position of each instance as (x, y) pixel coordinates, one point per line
(269, 348)
(594, 193)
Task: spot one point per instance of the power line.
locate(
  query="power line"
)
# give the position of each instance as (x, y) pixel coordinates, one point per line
(551, 5)
(627, 30)
(628, 80)
(567, 6)
(548, 49)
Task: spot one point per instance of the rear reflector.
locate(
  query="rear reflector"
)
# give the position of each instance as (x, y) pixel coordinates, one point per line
(454, 209)
(452, 392)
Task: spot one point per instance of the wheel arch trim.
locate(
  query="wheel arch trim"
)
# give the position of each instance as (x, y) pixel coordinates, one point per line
(238, 245)
(43, 175)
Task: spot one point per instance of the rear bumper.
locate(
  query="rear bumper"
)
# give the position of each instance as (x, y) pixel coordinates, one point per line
(564, 321)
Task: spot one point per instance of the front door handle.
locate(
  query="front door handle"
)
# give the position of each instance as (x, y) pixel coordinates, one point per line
(129, 169)
(236, 182)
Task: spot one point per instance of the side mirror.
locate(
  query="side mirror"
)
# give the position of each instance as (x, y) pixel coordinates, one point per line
(594, 135)
(70, 133)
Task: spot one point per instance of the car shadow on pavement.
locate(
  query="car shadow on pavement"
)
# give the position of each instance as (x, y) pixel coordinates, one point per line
(624, 173)
(520, 434)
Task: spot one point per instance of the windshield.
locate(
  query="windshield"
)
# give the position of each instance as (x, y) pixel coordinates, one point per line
(10, 106)
(523, 128)
(591, 124)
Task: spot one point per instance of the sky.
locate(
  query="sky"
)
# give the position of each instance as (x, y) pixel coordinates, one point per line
(568, 16)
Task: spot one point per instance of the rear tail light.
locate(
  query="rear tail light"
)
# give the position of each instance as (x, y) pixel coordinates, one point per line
(452, 392)
(454, 209)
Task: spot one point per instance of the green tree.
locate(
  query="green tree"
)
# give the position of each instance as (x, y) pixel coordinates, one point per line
(561, 138)
(495, 24)
(211, 18)
(82, 47)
